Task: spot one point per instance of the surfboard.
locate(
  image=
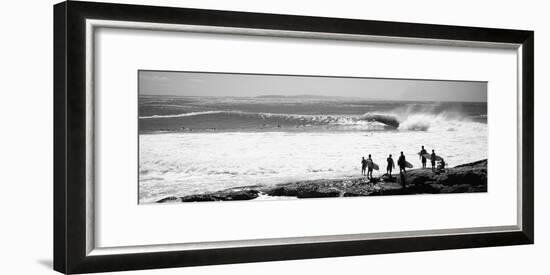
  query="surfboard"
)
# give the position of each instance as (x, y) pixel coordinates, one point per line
(374, 165)
(429, 157)
(408, 164)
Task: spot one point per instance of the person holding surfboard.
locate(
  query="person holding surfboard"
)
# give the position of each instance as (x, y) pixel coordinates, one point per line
(433, 158)
(402, 162)
(423, 154)
(391, 165)
(370, 167)
(363, 166)
(442, 165)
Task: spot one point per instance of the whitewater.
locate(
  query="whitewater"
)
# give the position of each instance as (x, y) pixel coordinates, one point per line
(271, 147)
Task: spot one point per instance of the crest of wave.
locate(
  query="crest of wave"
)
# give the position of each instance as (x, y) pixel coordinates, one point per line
(424, 122)
(433, 117)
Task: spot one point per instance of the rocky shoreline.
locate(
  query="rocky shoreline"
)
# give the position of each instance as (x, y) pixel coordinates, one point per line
(465, 178)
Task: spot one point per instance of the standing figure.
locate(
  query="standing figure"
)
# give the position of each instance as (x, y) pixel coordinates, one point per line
(442, 165)
(422, 152)
(432, 159)
(390, 166)
(363, 166)
(402, 163)
(370, 166)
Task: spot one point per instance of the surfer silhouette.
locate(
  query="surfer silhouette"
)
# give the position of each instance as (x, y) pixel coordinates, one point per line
(370, 166)
(442, 165)
(433, 157)
(391, 165)
(363, 166)
(422, 157)
(402, 163)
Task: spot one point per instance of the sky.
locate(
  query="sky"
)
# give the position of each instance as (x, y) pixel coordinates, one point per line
(252, 85)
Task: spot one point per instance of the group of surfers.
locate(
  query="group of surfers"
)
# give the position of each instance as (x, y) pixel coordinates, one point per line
(367, 165)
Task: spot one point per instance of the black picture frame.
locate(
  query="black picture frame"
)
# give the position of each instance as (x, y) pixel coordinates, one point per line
(70, 255)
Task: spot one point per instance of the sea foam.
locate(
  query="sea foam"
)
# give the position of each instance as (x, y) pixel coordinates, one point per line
(189, 163)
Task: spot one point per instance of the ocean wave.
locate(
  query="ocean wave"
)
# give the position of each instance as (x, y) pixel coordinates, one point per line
(367, 122)
(425, 117)
(410, 118)
(182, 115)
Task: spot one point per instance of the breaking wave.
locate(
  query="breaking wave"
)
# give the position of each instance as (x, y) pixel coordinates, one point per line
(240, 118)
(411, 118)
(424, 118)
(182, 115)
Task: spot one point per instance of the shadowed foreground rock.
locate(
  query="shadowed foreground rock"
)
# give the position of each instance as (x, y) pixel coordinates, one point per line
(466, 178)
(234, 194)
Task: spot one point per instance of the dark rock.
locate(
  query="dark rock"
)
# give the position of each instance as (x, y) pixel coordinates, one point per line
(466, 178)
(353, 194)
(316, 192)
(479, 164)
(226, 195)
(389, 178)
(470, 177)
(239, 195)
(306, 189)
(286, 190)
(197, 198)
(168, 199)
(374, 180)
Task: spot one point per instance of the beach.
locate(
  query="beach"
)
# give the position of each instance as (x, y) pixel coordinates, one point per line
(196, 145)
(465, 178)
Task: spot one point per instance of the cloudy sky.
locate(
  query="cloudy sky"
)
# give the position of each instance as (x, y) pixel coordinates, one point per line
(249, 85)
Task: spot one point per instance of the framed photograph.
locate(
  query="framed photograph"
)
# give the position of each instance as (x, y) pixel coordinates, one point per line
(189, 137)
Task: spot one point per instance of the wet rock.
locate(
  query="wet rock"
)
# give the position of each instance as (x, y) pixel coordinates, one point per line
(226, 195)
(169, 199)
(470, 177)
(198, 198)
(316, 192)
(283, 190)
(388, 178)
